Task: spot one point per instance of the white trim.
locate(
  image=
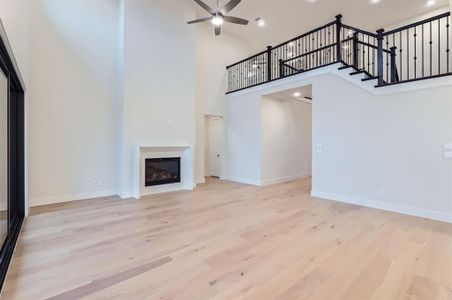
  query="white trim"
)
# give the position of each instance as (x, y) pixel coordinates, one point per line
(398, 208)
(266, 182)
(243, 180)
(126, 195)
(201, 180)
(368, 86)
(74, 197)
(185, 153)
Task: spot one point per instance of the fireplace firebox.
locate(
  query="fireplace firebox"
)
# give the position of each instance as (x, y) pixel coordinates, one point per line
(162, 171)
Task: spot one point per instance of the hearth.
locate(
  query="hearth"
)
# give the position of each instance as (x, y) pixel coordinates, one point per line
(160, 171)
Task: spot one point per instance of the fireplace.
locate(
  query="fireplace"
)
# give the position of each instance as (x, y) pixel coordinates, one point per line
(162, 171)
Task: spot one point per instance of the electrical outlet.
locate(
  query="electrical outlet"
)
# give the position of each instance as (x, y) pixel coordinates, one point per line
(96, 183)
(383, 192)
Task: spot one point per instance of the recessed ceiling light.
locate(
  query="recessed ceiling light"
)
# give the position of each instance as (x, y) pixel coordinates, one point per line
(430, 3)
(374, 1)
(297, 94)
(260, 22)
(291, 44)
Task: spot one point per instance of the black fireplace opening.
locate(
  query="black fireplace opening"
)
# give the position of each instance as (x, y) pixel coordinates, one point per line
(162, 171)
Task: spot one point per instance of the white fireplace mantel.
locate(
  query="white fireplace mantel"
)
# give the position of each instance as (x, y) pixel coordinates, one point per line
(142, 152)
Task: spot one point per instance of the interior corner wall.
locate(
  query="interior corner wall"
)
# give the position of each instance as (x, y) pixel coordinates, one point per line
(72, 100)
(286, 140)
(159, 85)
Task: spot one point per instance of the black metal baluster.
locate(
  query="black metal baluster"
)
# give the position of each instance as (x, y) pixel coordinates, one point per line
(368, 54)
(387, 60)
(448, 44)
(431, 51)
(395, 54)
(415, 52)
(423, 56)
(373, 57)
(408, 53)
(439, 46)
(401, 55)
(364, 54)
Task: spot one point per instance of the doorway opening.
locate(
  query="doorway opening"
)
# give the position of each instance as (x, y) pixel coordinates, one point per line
(287, 136)
(214, 135)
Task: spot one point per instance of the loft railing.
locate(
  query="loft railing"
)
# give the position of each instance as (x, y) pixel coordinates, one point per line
(413, 52)
(417, 51)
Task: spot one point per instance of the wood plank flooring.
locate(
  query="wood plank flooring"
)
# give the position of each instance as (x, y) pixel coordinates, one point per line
(229, 241)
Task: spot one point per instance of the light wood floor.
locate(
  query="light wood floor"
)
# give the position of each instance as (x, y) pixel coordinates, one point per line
(229, 241)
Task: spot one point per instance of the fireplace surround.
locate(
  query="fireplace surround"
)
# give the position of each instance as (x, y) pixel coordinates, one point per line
(168, 160)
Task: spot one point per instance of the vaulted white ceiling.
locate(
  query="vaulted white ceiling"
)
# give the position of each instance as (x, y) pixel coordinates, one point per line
(288, 18)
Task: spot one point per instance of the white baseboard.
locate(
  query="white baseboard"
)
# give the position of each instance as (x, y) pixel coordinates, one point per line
(402, 209)
(242, 180)
(284, 179)
(126, 195)
(67, 198)
(200, 180)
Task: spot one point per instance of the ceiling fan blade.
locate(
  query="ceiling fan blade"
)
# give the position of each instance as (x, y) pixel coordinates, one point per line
(235, 20)
(200, 20)
(206, 7)
(217, 30)
(229, 6)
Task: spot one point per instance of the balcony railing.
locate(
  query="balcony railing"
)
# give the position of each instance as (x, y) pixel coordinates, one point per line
(413, 52)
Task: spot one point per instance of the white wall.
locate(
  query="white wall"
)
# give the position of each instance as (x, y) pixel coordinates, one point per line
(72, 102)
(382, 151)
(213, 54)
(159, 79)
(286, 139)
(243, 139)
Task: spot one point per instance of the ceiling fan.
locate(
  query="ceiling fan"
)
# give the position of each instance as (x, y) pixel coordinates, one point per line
(218, 16)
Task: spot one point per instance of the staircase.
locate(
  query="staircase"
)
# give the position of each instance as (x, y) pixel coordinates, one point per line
(413, 52)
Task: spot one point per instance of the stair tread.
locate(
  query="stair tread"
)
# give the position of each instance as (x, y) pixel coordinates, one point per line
(345, 67)
(370, 78)
(357, 72)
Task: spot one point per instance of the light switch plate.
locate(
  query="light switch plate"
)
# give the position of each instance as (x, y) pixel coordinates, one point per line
(447, 154)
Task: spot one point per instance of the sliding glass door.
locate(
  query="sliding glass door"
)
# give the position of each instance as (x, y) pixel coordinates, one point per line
(12, 155)
(3, 157)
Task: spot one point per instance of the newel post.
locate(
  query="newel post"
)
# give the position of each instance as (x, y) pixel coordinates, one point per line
(338, 38)
(380, 56)
(269, 63)
(355, 50)
(281, 69)
(393, 64)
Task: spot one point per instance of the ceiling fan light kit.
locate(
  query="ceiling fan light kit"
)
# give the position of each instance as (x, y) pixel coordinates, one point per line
(218, 16)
